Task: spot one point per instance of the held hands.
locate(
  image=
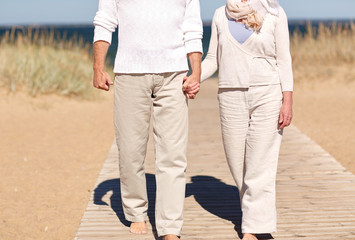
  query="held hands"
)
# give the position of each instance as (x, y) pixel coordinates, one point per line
(191, 86)
(102, 80)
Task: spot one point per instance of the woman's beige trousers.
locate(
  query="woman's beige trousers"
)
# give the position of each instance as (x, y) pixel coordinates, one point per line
(249, 121)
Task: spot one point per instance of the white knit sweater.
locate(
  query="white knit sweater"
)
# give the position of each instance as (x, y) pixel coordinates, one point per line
(263, 59)
(154, 35)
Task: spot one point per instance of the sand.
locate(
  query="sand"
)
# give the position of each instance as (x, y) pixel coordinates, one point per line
(325, 111)
(52, 149)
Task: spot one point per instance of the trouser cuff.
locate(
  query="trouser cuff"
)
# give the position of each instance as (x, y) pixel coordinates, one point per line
(166, 231)
(140, 218)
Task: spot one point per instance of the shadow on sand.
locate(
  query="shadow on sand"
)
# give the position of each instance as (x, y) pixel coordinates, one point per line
(209, 192)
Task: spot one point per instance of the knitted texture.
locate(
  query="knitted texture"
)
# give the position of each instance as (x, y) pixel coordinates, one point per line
(251, 13)
(154, 35)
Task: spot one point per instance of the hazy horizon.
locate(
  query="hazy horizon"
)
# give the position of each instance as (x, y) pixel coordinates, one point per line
(205, 23)
(82, 12)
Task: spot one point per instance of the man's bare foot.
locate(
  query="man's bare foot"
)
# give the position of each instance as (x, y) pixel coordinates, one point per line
(170, 237)
(249, 236)
(138, 228)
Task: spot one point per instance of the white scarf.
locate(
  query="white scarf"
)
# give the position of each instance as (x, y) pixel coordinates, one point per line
(252, 12)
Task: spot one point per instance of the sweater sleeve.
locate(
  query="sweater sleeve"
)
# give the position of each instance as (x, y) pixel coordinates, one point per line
(105, 21)
(283, 55)
(210, 64)
(192, 27)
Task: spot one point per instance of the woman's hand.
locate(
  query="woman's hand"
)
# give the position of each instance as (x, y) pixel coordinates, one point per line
(191, 86)
(285, 117)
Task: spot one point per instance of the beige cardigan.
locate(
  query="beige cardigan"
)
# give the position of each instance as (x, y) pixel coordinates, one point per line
(263, 59)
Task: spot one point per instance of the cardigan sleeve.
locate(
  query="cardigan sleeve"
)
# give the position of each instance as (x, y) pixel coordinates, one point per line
(192, 27)
(105, 21)
(283, 55)
(210, 64)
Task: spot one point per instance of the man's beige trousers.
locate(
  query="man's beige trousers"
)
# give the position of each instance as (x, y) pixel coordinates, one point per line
(251, 138)
(136, 97)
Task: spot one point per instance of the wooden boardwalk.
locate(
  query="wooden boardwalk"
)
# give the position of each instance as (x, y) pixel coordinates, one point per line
(315, 194)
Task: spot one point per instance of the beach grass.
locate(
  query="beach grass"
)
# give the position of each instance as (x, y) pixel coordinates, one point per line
(43, 62)
(324, 52)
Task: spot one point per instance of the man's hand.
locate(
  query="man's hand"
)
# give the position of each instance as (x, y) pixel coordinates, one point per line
(191, 85)
(102, 80)
(285, 117)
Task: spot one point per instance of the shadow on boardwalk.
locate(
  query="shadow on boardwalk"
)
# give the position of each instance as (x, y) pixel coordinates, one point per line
(211, 193)
(217, 198)
(114, 185)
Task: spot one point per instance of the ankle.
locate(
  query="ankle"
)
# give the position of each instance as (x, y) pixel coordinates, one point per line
(249, 236)
(170, 237)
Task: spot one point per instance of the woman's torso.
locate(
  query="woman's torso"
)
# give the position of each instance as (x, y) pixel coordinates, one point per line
(250, 63)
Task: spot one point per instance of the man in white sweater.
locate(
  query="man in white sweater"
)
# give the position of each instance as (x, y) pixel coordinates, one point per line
(155, 38)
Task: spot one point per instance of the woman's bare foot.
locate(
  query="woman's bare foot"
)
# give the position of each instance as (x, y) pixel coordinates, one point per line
(170, 237)
(249, 236)
(138, 228)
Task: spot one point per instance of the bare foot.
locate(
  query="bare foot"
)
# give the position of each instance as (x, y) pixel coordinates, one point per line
(249, 236)
(138, 228)
(170, 237)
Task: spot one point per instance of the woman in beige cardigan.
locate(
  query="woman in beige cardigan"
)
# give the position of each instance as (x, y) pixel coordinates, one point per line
(250, 47)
